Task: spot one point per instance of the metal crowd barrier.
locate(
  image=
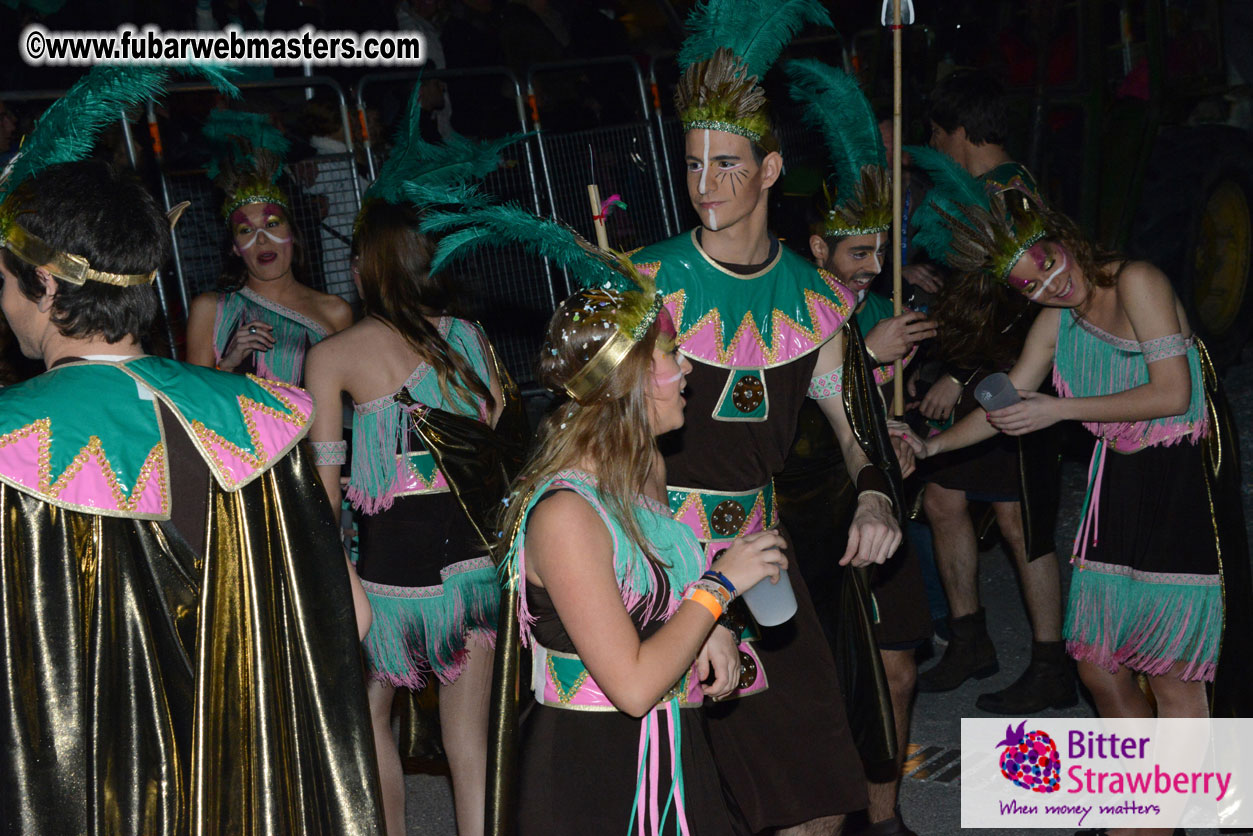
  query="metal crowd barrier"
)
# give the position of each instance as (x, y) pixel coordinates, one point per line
(621, 158)
(324, 187)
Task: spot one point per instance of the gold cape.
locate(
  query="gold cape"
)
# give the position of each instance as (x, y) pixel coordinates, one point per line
(148, 691)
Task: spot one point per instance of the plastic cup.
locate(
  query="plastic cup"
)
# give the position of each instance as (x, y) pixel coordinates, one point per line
(996, 391)
(771, 603)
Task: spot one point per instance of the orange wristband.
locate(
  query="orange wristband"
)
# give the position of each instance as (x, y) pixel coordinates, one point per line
(706, 600)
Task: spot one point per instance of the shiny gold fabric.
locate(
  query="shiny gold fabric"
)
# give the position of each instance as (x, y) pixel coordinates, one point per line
(1231, 694)
(150, 691)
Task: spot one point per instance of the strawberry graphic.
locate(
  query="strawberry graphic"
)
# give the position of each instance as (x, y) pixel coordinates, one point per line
(1030, 759)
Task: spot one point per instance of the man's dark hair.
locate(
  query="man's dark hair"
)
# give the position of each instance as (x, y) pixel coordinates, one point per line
(92, 209)
(972, 99)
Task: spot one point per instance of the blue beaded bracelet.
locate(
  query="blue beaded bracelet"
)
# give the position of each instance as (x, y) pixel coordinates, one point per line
(722, 579)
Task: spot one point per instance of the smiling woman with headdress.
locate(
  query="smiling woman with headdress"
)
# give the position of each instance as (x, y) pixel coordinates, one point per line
(262, 319)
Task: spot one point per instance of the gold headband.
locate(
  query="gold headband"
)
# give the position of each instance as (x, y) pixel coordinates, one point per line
(70, 267)
(602, 364)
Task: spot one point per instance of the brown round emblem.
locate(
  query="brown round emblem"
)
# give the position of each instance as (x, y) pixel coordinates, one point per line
(728, 518)
(748, 393)
(748, 671)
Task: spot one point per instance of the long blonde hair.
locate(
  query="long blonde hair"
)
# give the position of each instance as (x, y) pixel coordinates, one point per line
(611, 426)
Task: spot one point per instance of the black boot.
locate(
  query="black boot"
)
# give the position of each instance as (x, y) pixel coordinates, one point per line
(1048, 682)
(969, 654)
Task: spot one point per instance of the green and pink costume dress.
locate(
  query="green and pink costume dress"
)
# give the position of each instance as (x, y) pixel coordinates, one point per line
(752, 334)
(586, 767)
(422, 564)
(1147, 587)
(293, 334)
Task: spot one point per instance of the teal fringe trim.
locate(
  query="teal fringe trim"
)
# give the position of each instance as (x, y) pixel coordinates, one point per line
(376, 439)
(1114, 619)
(415, 635)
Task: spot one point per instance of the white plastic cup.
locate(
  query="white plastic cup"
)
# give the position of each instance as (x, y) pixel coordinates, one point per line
(771, 603)
(996, 391)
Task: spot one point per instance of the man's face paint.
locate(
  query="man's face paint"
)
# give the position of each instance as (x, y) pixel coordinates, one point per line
(856, 260)
(263, 239)
(723, 180)
(1044, 275)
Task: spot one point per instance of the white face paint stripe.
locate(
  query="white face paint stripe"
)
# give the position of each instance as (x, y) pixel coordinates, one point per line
(667, 381)
(713, 220)
(704, 164)
(267, 234)
(878, 242)
(1048, 281)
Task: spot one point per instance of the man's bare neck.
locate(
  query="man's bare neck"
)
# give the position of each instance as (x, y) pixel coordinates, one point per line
(980, 159)
(747, 242)
(57, 348)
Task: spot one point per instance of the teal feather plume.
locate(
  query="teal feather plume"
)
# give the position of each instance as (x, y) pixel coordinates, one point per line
(835, 105)
(509, 223)
(754, 30)
(246, 141)
(67, 130)
(465, 195)
(954, 197)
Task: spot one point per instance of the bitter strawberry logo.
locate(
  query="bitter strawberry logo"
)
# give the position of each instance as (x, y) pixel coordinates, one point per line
(1030, 759)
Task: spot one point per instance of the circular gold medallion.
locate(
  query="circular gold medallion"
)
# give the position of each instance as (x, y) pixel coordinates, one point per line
(748, 393)
(748, 671)
(728, 518)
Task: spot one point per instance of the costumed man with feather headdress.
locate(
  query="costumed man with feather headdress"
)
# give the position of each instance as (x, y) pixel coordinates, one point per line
(764, 329)
(176, 614)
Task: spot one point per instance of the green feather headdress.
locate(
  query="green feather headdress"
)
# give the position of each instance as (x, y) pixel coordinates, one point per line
(414, 161)
(960, 224)
(66, 132)
(248, 154)
(730, 46)
(834, 104)
(612, 288)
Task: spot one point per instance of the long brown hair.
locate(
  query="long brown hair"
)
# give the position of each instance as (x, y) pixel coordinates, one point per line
(612, 426)
(983, 322)
(397, 288)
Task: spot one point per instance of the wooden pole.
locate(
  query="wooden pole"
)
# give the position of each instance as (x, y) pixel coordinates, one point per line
(602, 236)
(898, 390)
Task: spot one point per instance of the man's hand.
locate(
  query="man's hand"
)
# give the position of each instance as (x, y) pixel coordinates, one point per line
(941, 399)
(892, 338)
(1034, 412)
(721, 657)
(923, 276)
(874, 534)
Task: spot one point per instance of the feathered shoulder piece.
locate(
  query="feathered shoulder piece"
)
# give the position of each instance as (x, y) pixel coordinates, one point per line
(834, 104)
(413, 161)
(248, 155)
(962, 225)
(612, 288)
(66, 132)
(730, 46)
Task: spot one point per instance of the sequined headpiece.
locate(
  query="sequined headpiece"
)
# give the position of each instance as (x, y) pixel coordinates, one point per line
(861, 202)
(730, 46)
(66, 132)
(960, 224)
(247, 162)
(614, 291)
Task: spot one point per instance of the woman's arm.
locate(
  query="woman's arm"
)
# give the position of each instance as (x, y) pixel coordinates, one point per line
(570, 553)
(200, 321)
(324, 381)
(1027, 374)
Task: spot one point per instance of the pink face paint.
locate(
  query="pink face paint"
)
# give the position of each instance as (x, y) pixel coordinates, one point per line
(666, 381)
